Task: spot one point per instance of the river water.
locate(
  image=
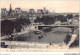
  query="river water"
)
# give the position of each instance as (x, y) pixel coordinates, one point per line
(55, 36)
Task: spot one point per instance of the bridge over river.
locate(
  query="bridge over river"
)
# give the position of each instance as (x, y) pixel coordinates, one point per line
(69, 26)
(73, 27)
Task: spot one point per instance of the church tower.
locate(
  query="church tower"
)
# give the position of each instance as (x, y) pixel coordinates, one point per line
(10, 10)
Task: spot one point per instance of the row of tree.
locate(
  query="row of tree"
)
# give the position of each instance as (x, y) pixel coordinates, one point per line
(8, 26)
(47, 20)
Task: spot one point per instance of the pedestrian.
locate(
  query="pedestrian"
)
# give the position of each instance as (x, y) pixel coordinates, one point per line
(12, 37)
(50, 43)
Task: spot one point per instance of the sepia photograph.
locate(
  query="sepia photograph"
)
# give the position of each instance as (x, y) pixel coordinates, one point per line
(39, 25)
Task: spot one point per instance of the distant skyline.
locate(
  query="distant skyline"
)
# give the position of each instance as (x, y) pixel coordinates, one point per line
(60, 6)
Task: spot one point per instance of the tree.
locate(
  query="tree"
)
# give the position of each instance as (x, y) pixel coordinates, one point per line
(21, 22)
(7, 27)
(69, 16)
(61, 18)
(38, 20)
(47, 20)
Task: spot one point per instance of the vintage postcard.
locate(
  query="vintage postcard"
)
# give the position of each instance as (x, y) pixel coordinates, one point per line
(39, 25)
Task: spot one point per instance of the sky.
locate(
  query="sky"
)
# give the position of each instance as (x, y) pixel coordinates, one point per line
(52, 5)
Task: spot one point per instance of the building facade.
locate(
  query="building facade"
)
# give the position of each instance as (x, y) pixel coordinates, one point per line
(4, 12)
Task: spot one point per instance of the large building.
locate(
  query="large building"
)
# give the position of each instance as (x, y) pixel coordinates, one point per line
(18, 10)
(25, 14)
(31, 11)
(4, 12)
(45, 10)
(11, 13)
(32, 14)
(40, 13)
